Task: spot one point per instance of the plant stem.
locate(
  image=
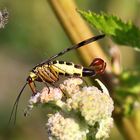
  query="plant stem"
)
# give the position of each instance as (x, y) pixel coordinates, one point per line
(77, 29)
(126, 127)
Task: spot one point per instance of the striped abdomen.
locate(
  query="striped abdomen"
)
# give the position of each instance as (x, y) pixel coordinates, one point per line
(71, 69)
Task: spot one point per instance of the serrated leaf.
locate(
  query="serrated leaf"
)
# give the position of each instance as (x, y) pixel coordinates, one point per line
(121, 32)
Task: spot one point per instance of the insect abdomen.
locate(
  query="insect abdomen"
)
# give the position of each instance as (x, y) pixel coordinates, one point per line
(67, 68)
(88, 72)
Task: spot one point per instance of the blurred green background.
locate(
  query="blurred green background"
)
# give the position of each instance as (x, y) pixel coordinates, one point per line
(32, 35)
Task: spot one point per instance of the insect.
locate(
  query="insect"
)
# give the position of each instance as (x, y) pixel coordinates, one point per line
(49, 70)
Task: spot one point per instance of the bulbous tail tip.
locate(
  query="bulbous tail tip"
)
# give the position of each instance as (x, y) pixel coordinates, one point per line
(98, 65)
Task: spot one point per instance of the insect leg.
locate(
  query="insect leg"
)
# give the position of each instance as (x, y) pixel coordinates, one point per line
(33, 87)
(50, 72)
(45, 75)
(42, 78)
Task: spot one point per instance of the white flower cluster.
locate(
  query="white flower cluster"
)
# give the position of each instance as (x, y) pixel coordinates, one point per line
(65, 128)
(93, 105)
(3, 17)
(82, 108)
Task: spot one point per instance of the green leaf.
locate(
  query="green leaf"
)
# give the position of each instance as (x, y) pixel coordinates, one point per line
(121, 32)
(130, 82)
(128, 90)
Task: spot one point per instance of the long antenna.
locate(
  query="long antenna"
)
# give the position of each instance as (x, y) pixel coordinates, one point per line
(85, 42)
(15, 106)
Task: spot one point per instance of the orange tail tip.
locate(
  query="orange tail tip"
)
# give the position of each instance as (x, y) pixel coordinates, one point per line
(98, 65)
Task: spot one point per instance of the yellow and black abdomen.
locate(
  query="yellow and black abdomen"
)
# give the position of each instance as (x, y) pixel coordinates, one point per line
(71, 69)
(67, 68)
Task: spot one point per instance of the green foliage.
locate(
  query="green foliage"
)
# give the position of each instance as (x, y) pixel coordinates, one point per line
(128, 90)
(121, 32)
(130, 82)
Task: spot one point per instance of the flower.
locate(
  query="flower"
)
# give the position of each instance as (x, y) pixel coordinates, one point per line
(104, 128)
(92, 103)
(65, 128)
(80, 109)
(95, 106)
(51, 94)
(71, 86)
